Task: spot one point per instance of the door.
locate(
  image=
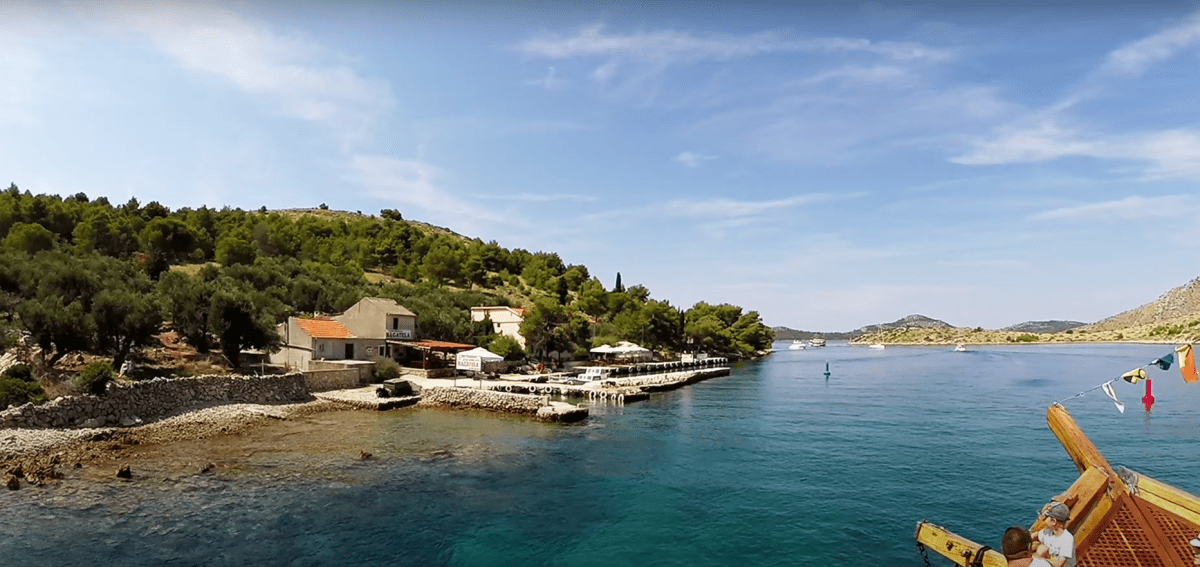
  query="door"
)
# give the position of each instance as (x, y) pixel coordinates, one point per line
(349, 351)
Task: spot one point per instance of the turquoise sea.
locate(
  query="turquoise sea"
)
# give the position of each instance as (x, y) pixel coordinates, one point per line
(772, 465)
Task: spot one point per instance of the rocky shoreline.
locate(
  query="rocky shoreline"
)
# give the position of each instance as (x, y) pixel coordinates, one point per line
(39, 456)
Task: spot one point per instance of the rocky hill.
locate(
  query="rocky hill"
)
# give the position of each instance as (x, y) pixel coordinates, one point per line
(1180, 305)
(1044, 326)
(909, 322)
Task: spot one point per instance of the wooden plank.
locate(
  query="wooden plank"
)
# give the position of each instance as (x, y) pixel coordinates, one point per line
(1169, 498)
(953, 546)
(1078, 446)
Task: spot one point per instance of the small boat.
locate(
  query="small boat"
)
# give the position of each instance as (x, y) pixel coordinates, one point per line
(960, 348)
(877, 346)
(796, 345)
(1119, 518)
(816, 342)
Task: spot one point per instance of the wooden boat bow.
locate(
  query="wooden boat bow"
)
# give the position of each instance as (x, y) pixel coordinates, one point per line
(1119, 519)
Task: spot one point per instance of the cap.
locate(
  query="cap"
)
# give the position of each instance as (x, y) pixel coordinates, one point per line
(1195, 542)
(1058, 511)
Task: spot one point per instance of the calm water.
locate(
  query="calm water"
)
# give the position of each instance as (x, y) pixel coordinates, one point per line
(772, 465)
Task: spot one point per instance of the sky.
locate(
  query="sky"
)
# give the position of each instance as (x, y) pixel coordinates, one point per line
(829, 165)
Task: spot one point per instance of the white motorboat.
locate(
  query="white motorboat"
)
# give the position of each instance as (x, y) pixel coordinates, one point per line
(796, 345)
(960, 348)
(877, 346)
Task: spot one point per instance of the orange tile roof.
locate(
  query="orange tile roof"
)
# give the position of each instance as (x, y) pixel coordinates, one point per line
(322, 328)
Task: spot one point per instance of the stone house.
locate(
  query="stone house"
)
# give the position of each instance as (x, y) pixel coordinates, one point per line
(370, 330)
(505, 320)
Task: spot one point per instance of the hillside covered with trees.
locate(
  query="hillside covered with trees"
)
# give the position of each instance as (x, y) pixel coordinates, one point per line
(84, 275)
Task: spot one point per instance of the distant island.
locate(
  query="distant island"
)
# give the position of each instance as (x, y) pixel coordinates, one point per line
(1172, 318)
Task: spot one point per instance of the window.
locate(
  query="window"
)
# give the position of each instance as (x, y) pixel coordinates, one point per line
(395, 322)
(321, 348)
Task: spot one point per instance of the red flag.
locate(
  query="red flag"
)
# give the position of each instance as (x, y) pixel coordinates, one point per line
(1187, 363)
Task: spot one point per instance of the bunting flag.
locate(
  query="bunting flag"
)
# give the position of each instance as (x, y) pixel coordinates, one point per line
(1108, 391)
(1134, 375)
(1187, 363)
(1165, 362)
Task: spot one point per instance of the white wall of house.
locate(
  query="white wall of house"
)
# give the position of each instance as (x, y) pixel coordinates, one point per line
(377, 318)
(505, 321)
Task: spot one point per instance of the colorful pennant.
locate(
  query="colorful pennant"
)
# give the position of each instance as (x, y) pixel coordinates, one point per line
(1187, 363)
(1108, 391)
(1133, 376)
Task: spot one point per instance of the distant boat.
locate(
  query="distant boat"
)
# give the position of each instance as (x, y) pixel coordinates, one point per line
(960, 348)
(796, 345)
(877, 346)
(816, 342)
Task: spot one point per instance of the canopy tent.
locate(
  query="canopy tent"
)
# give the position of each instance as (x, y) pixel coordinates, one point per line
(624, 350)
(476, 359)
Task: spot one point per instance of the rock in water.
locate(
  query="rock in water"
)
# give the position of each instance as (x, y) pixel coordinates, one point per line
(123, 472)
(207, 468)
(363, 455)
(12, 483)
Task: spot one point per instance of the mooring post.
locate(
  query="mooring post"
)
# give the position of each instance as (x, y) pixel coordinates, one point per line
(826, 370)
(1148, 399)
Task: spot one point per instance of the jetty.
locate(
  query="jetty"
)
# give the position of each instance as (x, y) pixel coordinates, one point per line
(523, 394)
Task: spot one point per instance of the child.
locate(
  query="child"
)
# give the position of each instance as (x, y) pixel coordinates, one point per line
(1057, 545)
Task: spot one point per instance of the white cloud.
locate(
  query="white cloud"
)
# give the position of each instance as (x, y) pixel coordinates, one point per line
(669, 46)
(415, 183)
(729, 208)
(1169, 153)
(1137, 56)
(307, 80)
(1129, 208)
(550, 81)
(692, 159)
(534, 198)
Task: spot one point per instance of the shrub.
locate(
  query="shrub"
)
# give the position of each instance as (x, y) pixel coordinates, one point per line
(18, 387)
(19, 372)
(507, 347)
(94, 378)
(386, 370)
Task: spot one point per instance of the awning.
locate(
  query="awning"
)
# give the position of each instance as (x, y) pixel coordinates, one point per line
(431, 345)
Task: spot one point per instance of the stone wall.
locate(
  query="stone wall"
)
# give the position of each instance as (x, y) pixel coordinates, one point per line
(326, 380)
(483, 399)
(125, 404)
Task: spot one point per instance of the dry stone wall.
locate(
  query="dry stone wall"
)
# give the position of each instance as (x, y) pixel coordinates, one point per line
(483, 399)
(126, 404)
(326, 380)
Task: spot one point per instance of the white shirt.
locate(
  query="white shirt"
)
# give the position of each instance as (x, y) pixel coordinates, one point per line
(1061, 545)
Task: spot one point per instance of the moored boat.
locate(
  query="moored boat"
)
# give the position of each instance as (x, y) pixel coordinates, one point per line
(796, 345)
(816, 342)
(1118, 519)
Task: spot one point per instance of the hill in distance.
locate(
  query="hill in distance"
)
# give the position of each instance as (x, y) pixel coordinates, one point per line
(1044, 326)
(1181, 304)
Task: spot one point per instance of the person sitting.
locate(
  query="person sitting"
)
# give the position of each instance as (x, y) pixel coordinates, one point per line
(1056, 544)
(1017, 547)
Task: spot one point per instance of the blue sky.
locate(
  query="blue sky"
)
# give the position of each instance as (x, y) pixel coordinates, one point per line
(828, 165)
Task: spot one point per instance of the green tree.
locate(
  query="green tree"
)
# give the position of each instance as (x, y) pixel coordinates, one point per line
(507, 347)
(125, 319)
(29, 238)
(239, 321)
(186, 301)
(235, 248)
(442, 264)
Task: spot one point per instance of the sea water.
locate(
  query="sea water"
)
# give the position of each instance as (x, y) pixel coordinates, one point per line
(772, 465)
